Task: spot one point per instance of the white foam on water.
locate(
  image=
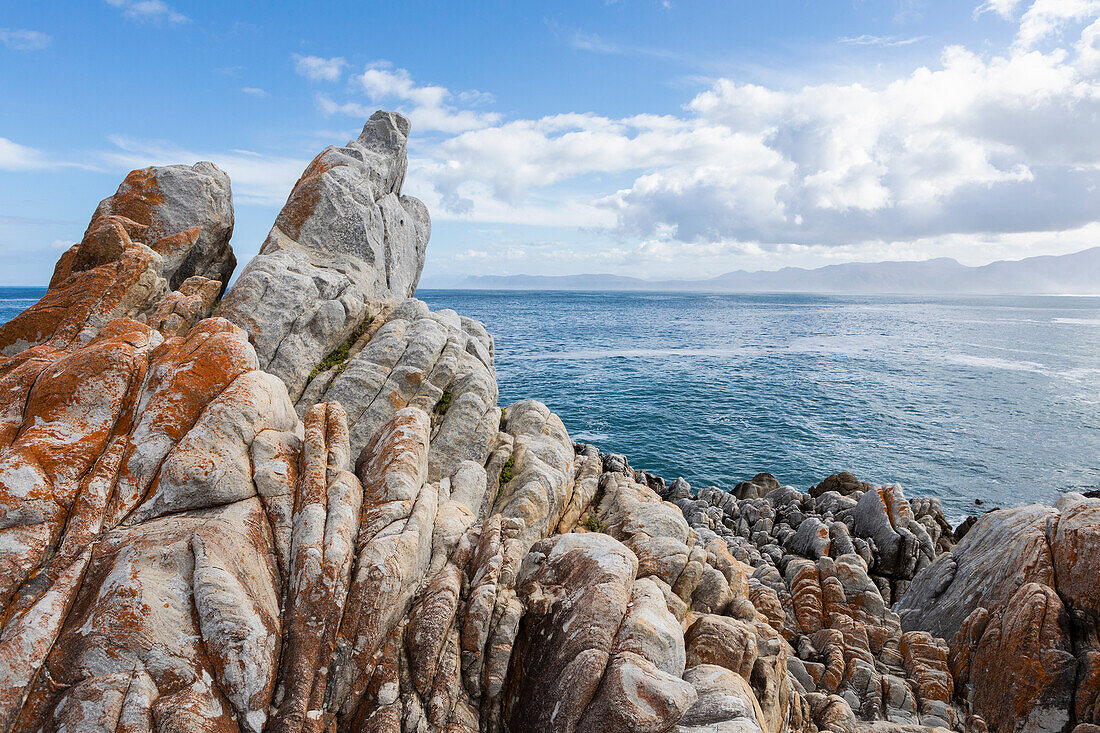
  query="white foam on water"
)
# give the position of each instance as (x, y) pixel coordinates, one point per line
(590, 436)
(992, 362)
(1079, 321)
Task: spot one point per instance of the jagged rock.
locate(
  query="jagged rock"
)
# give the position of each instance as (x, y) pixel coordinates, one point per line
(181, 308)
(324, 524)
(184, 545)
(811, 539)
(186, 216)
(1019, 662)
(1005, 550)
(576, 588)
(843, 483)
(649, 630)
(722, 641)
(543, 477)
(725, 703)
(156, 595)
(884, 516)
(758, 487)
(345, 240)
(163, 226)
(635, 696)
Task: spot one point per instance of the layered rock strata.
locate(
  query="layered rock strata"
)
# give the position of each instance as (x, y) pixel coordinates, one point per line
(310, 514)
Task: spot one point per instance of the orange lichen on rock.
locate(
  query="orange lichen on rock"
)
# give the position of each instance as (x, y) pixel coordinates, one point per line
(1018, 662)
(162, 226)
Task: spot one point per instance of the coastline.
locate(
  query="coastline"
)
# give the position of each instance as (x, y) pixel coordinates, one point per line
(295, 504)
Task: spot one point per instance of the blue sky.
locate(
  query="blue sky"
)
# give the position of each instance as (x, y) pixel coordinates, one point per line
(638, 137)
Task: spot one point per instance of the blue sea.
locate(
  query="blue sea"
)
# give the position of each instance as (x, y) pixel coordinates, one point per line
(988, 398)
(994, 399)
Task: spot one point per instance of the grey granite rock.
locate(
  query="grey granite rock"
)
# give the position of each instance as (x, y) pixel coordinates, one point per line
(438, 361)
(170, 201)
(345, 241)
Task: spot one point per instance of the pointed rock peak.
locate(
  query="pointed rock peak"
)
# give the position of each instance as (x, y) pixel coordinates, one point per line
(386, 130)
(345, 241)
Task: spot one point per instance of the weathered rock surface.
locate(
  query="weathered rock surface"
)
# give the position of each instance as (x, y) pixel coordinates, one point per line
(165, 229)
(345, 241)
(312, 516)
(1017, 600)
(440, 362)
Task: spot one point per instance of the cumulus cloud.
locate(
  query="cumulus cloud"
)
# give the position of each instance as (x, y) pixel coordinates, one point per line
(976, 151)
(255, 92)
(975, 147)
(430, 107)
(317, 68)
(1048, 17)
(151, 11)
(24, 40)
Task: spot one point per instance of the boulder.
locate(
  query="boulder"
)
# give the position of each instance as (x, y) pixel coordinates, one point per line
(161, 228)
(1005, 550)
(576, 588)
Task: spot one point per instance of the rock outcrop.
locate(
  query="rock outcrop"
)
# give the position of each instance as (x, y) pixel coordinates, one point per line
(346, 242)
(157, 251)
(1017, 599)
(308, 513)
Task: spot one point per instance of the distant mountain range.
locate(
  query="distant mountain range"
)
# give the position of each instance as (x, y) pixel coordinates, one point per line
(1072, 274)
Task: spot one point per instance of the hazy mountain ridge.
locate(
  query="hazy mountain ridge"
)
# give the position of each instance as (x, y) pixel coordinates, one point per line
(1071, 274)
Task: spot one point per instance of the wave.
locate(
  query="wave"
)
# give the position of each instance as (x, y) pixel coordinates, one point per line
(585, 436)
(1079, 321)
(992, 362)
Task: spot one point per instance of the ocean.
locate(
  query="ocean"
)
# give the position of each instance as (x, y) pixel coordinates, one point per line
(994, 399)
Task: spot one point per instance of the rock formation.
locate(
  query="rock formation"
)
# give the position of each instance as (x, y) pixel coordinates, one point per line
(345, 243)
(156, 252)
(308, 513)
(1019, 602)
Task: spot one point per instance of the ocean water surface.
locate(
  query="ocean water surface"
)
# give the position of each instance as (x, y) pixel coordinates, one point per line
(989, 398)
(964, 398)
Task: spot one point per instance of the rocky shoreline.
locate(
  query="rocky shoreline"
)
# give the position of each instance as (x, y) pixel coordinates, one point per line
(295, 505)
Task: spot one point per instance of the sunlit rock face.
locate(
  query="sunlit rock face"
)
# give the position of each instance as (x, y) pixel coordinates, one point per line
(308, 513)
(156, 251)
(1018, 601)
(345, 241)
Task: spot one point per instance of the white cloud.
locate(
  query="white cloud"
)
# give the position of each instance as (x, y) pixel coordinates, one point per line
(153, 11)
(431, 108)
(61, 244)
(1003, 8)
(255, 92)
(316, 68)
(16, 157)
(1048, 17)
(973, 150)
(351, 109)
(593, 42)
(24, 40)
(884, 41)
(977, 152)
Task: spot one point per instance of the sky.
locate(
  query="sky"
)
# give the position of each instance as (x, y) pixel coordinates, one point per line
(652, 138)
